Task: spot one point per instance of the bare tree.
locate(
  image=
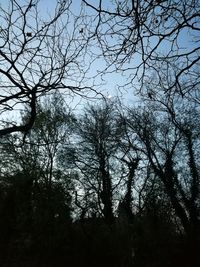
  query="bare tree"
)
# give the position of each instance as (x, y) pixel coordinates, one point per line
(134, 35)
(171, 149)
(98, 138)
(39, 52)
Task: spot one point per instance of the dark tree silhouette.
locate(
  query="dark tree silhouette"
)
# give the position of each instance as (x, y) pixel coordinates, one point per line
(99, 141)
(163, 142)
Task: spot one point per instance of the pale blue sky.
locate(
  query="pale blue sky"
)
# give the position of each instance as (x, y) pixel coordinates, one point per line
(109, 85)
(110, 81)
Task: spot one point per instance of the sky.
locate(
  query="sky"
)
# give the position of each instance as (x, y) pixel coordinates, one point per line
(108, 86)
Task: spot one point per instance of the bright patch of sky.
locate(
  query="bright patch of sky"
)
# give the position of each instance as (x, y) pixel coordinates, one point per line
(107, 84)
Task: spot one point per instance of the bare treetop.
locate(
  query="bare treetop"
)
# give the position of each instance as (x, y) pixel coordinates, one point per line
(134, 35)
(38, 52)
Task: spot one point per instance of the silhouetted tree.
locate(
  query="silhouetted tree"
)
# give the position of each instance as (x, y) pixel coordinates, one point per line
(163, 141)
(99, 137)
(35, 192)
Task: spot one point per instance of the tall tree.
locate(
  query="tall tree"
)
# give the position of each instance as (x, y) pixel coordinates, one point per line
(163, 143)
(99, 137)
(39, 189)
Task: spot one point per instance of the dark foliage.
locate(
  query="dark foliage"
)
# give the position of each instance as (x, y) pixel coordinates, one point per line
(52, 208)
